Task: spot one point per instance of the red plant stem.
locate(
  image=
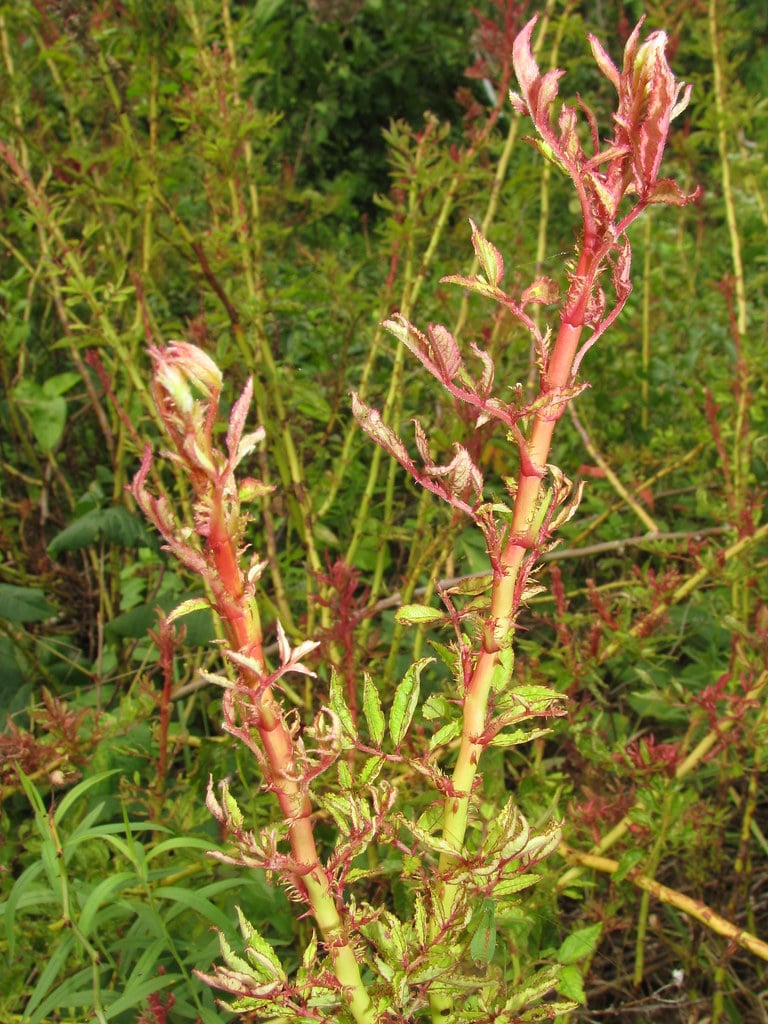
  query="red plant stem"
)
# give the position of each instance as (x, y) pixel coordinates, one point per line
(243, 627)
(522, 537)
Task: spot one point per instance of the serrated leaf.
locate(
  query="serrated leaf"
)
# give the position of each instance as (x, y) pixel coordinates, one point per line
(194, 604)
(543, 291)
(472, 586)
(405, 700)
(309, 957)
(447, 655)
(340, 708)
(483, 943)
(472, 284)
(533, 991)
(258, 950)
(516, 738)
(345, 775)
(580, 944)
(374, 716)
(445, 734)
(411, 614)
(370, 770)
(490, 259)
(436, 706)
(420, 918)
(511, 886)
(427, 839)
(549, 1012)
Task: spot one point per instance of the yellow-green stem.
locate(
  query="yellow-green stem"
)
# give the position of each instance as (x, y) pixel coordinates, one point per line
(499, 623)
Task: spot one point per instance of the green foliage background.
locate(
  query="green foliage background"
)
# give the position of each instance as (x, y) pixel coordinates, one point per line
(264, 179)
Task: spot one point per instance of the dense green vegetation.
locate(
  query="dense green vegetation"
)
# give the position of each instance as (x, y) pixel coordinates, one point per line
(271, 180)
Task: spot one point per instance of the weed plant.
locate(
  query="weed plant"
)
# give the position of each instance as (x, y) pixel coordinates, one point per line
(502, 777)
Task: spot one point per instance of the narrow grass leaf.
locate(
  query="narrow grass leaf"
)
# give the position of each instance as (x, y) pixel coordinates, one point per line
(104, 891)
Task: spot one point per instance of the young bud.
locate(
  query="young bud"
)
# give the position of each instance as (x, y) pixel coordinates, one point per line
(186, 387)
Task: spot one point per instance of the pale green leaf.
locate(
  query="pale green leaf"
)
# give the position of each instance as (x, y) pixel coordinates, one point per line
(405, 701)
(195, 604)
(571, 984)
(580, 945)
(412, 614)
(374, 716)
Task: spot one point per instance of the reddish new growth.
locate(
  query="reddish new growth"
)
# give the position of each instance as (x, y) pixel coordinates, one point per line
(626, 167)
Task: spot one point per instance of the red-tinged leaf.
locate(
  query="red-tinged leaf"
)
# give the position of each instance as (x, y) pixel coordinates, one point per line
(667, 191)
(371, 422)
(518, 102)
(445, 350)
(604, 203)
(526, 68)
(402, 329)
(543, 291)
(473, 284)
(236, 426)
(422, 443)
(621, 272)
(486, 381)
(569, 137)
(604, 62)
(545, 90)
(489, 257)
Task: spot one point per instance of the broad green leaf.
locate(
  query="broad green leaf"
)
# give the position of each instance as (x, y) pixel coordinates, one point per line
(23, 604)
(483, 943)
(571, 984)
(114, 525)
(60, 383)
(426, 838)
(47, 414)
(628, 863)
(533, 990)
(436, 706)
(514, 739)
(548, 1012)
(405, 700)
(374, 716)
(513, 885)
(580, 944)
(134, 624)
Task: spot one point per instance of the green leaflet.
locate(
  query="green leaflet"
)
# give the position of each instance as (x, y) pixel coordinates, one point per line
(405, 701)
(374, 716)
